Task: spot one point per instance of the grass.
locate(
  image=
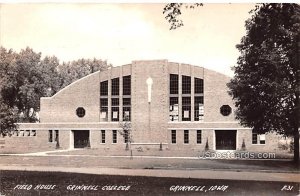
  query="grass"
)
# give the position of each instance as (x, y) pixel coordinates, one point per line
(23, 150)
(155, 152)
(193, 152)
(138, 185)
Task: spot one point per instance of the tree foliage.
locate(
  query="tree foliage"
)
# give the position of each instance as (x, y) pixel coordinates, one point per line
(26, 80)
(8, 119)
(173, 12)
(73, 70)
(267, 76)
(25, 77)
(125, 131)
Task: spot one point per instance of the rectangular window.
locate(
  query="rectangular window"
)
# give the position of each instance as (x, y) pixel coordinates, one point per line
(33, 132)
(174, 110)
(174, 84)
(115, 109)
(262, 139)
(50, 136)
(127, 85)
(254, 138)
(102, 136)
(186, 85)
(198, 108)
(115, 101)
(198, 86)
(104, 109)
(56, 136)
(126, 113)
(126, 109)
(126, 102)
(199, 137)
(186, 108)
(104, 88)
(173, 136)
(186, 136)
(115, 89)
(21, 133)
(114, 136)
(258, 138)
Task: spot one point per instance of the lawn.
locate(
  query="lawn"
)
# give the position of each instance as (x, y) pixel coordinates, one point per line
(156, 152)
(58, 183)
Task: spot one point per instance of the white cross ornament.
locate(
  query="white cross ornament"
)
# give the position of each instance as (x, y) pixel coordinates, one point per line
(149, 82)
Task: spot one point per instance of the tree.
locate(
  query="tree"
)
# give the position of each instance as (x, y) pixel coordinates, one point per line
(50, 75)
(74, 70)
(173, 12)
(8, 116)
(7, 73)
(25, 82)
(265, 86)
(8, 119)
(25, 77)
(126, 132)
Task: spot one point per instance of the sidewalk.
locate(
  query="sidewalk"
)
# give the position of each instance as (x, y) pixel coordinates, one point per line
(198, 174)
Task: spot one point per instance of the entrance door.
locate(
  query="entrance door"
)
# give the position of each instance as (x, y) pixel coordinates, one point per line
(81, 138)
(225, 139)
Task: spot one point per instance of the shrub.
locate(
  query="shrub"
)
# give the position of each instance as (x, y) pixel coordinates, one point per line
(206, 145)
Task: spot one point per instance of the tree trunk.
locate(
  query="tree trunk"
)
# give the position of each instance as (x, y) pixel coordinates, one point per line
(296, 145)
(297, 106)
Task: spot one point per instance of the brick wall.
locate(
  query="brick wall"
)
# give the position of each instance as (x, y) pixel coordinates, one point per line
(271, 145)
(28, 143)
(150, 121)
(215, 95)
(62, 106)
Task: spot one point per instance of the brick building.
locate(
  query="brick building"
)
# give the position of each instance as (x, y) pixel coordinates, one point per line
(177, 105)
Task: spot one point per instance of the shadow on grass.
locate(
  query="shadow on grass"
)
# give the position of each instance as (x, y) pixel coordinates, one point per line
(65, 184)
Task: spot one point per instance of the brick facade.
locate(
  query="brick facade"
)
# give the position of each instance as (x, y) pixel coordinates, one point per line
(150, 120)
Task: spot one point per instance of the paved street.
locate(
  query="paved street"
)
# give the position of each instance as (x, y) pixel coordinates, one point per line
(176, 173)
(243, 177)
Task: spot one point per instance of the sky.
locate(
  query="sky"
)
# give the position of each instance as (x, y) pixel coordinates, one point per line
(122, 33)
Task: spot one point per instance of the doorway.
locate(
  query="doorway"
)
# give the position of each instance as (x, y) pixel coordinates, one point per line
(225, 139)
(81, 138)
